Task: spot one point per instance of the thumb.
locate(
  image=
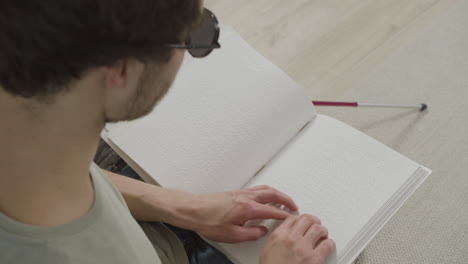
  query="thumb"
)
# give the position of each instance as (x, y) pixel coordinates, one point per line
(250, 233)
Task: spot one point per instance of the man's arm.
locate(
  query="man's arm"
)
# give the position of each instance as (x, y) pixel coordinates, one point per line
(148, 202)
(217, 216)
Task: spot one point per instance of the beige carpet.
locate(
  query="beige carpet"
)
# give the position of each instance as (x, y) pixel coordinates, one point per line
(432, 227)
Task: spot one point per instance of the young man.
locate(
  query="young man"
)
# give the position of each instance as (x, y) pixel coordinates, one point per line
(67, 68)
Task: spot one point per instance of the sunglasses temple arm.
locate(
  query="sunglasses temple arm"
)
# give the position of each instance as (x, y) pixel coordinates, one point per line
(181, 46)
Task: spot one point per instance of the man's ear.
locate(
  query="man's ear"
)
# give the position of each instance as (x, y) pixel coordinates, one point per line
(123, 75)
(120, 81)
(115, 75)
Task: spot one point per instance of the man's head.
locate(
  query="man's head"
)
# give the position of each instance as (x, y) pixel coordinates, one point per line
(47, 46)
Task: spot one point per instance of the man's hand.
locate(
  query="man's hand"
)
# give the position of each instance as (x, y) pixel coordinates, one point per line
(217, 216)
(298, 240)
(221, 216)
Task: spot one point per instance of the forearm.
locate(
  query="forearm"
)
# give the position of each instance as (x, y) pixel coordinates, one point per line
(217, 216)
(148, 202)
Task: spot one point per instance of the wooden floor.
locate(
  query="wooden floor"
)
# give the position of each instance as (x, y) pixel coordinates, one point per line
(321, 44)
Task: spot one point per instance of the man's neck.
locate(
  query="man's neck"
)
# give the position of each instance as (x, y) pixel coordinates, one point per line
(45, 157)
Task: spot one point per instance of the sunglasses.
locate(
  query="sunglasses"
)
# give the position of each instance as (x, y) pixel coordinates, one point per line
(204, 38)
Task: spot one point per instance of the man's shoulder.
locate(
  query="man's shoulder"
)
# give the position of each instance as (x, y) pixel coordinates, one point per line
(103, 183)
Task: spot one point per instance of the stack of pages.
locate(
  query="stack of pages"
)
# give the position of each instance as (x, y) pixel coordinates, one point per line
(234, 120)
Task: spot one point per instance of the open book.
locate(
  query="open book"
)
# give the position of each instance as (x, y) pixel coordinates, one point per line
(234, 120)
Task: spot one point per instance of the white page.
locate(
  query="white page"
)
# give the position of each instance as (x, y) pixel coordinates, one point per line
(336, 173)
(225, 117)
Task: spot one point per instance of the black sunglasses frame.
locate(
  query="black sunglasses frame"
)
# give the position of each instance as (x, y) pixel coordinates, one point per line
(209, 47)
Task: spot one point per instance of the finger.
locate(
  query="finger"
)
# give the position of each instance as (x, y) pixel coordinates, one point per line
(315, 233)
(325, 247)
(303, 224)
(263, 211)
(271, 195)
(260, 187)
(287, 224)
(251, 233)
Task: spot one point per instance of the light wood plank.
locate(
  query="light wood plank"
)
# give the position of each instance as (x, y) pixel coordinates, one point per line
(319, 42)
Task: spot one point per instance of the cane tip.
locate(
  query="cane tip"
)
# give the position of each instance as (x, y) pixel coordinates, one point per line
(423, 107)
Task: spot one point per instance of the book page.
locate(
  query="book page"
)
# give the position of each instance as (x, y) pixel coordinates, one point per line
(224, 118)
(334, 172)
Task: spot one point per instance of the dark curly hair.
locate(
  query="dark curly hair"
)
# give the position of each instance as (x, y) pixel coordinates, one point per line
(45, 44)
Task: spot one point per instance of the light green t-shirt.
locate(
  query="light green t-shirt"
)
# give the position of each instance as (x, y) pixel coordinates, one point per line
(106, 234)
